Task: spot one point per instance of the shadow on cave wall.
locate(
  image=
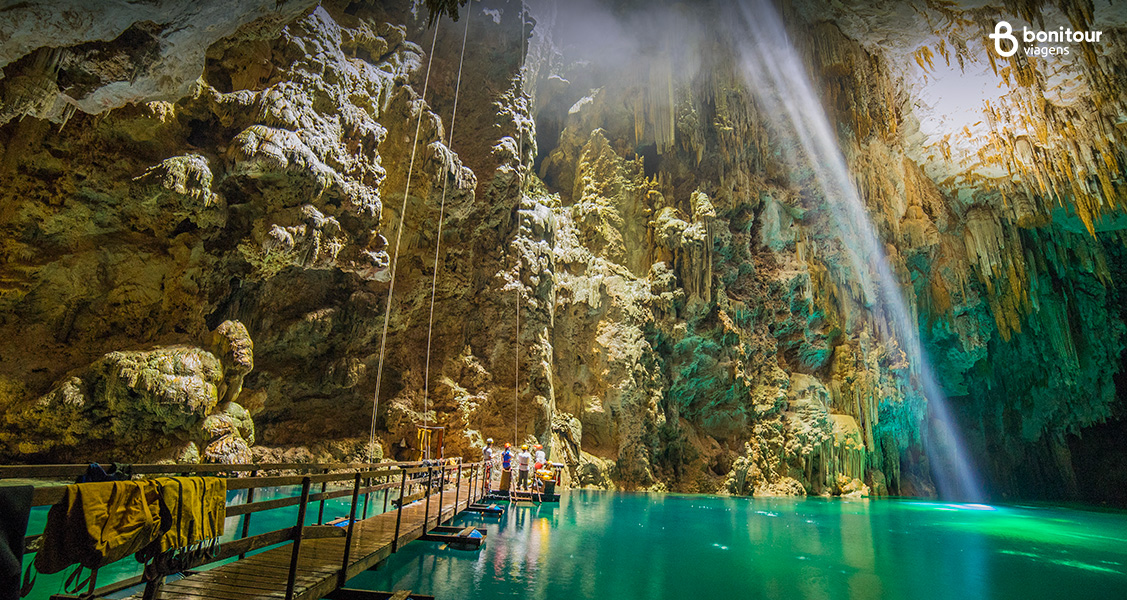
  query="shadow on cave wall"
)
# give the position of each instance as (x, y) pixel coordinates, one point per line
(1099, 453)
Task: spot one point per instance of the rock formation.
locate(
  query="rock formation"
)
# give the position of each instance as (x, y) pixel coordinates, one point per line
(204, 208)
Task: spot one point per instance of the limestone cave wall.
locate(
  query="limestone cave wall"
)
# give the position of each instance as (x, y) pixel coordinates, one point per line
(199, 228)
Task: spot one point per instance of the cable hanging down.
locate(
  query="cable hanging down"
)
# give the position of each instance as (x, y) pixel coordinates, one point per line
(520, 201)
(395, 255)
(438, 240)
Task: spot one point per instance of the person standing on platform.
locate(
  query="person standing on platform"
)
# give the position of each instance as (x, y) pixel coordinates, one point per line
(506, 466)
(524, 463)
(541, 458)
(487, 459)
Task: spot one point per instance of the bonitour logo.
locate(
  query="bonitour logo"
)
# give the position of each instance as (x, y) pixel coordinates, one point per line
(1006, 43)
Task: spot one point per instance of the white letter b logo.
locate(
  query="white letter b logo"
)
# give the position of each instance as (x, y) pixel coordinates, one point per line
(1004, 31)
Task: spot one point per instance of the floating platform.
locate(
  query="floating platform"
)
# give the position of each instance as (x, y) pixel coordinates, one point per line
(458, 538)
(490, 510)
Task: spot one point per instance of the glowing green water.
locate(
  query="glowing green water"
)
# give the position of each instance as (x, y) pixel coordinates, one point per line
(614, 545)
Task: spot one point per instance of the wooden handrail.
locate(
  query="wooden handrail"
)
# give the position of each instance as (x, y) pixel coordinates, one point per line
(65, 471)
(52, 492)
(47, 495)
(253, 507)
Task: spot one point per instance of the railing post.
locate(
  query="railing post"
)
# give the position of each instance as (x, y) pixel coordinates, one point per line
(426, 513)
(348, 536)
(457, 490)
(386, 492)
(152, 588)
(441, 489)
(399, 512)
(246, 517)
(321, 510)
(305, 483)
(473, 481)
(368, 494)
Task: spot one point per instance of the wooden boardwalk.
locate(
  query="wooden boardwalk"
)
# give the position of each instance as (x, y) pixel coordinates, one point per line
(265, 575)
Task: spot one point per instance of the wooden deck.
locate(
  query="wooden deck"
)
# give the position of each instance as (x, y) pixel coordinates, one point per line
(265, 575)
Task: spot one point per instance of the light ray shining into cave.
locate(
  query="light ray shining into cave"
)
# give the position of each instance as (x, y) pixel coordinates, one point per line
(777, 75)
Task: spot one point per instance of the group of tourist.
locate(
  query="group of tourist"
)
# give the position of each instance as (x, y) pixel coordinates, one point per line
(526, 463)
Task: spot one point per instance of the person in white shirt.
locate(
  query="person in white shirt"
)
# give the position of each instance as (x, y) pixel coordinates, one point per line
(524, 463)
(487, 458)
(541, 458)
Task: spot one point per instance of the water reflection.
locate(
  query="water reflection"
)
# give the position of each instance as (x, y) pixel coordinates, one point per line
(606, 545)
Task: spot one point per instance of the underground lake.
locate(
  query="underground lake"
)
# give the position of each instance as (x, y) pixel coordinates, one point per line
(598, 544)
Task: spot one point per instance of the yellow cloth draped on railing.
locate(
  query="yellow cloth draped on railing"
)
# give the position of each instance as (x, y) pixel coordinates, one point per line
(197, 506)
(98, 523)
(424, 442)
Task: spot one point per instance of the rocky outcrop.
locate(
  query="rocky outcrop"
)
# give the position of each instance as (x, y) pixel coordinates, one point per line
(66, 56)
(172, 403)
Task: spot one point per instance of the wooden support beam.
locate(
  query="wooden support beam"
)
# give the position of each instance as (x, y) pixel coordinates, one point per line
(318, 532)
(351, 529)
(321, 510)
(399, 512)
(246, 518)
(292, 580)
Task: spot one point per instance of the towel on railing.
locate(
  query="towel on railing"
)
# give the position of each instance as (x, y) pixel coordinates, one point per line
(98, 523)
(197, 507)
(15, 508)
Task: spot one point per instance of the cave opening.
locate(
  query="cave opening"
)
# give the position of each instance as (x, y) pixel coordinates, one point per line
(651, 159)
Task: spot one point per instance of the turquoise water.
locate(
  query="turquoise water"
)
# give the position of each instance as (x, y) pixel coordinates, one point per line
(655, 546)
